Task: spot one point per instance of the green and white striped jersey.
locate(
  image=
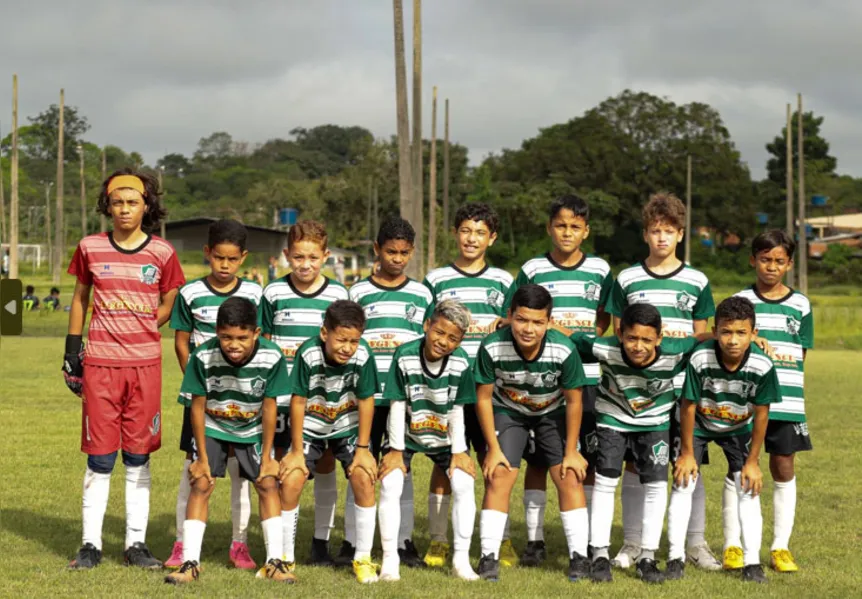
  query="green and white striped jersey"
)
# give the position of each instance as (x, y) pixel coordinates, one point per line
(725, 400)
(291, 316)
(197, 304)
(788, 325)
(528, 388)
(393, 316)
(631, 398)
(332, 391)
(578, 291)
(430, 397)
(235, 394)
(483, 293)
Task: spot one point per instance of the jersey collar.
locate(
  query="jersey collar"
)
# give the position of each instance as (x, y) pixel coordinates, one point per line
(303, 294)
(559, 266)
(424, 363)
(250, 358)
(766, 300)
(145, 243)
(669, 275)
(721, 365)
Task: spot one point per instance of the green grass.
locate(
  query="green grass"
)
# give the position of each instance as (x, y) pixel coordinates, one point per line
(41, 506)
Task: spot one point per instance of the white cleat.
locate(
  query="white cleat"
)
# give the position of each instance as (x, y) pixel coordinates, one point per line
(701, 557)
(464, 572)
(390, 572)
(626, 556)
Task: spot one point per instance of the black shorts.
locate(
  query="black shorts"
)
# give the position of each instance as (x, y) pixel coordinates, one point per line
(676, 441)
(379, 426)
(786, 438)
(548, 436)
(342, 448)
(282, 431)
(247, 456)
(473, 429)
(441, 459)
(650, 449)
(736, 450)
(588, 442)
(187, 437)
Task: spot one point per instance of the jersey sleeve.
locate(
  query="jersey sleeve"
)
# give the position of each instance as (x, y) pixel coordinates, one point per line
(691, 389)
(607, 289)
(573, 372)
(394, 388)
(584, 344)
(430, 309)
(466, 392)
(299, 377)
(266, 315)
(521, 280)
(367, 385)
(79, 266)
(686, 345)
(277, 380)
(806, 330)
(181, 315)
(484, 372)
(705, 306)
(617, 301)
(769, 389)
(172, 274)
(194, 380)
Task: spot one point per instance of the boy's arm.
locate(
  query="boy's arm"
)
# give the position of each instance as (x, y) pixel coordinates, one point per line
(751, 477)
(201, 467)
(78, 309)
(485, 415)
(362, 456)
(181, 348)
(269, 417)
(685, 467)
(603, 321)
(395, 424)
(573, 460)
(73, 367)
(294, 459)
(167, 305)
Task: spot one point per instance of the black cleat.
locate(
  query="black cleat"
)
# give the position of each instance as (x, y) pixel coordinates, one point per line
(579, 567)
(648, 571)
(534, 554)
(87, 558)
(600, 570)
(410, 557)
(344, 559)
(139, 555)
(320, 553)
(754, 573)
(675, 569)
(190, 571)
(489, 568)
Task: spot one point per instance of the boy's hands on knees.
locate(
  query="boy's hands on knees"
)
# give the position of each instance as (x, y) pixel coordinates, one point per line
(268, 467)
(576, 463)
(363, 460)
(494, 458)
(462, 461)
(751, 478)
(200, 468)
(684, 470)
(292, 460)
(393, 460)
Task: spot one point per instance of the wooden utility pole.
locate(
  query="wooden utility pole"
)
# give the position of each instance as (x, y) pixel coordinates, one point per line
(688, 210)
(446, 223)
(59, 243)
(803, 233)
(2, 202)
(103, 221)
(49, 247)
(84, 230)
(789, 184)
(418, 221)
(13, 182)
(432, 187)
(163, 224)
(405, 178)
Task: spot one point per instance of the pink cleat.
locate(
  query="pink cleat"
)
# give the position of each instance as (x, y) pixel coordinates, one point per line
(240, 557)
(176, 558)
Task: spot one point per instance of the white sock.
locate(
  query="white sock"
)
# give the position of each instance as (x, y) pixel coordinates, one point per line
(588, 495)
(602, 514)
(655, 505)
(506, 534)
(751, 522)
(576, 527)
(97, 487)
(183, 499)
(366, 520)
(350, 516)
(784, 508)
(678, 515)
(389, 514)
(138, 482)
(633, 502)
(273, 535)
(193, 535)
(491, 525)
(405, 532)
(325, 498)
(730, 515)
(438, 517)
(288, 528)
(534, 513)
(697, 520)
(240, 501)
(463, 515)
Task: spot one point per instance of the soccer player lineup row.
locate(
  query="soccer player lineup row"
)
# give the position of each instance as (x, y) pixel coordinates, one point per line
(282, 382)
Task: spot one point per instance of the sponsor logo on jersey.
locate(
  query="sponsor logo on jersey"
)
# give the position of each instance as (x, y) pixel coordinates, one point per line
(328, 412)
(793, 325)
(571, 321)
(149, 274)
(660, 453)
(592, 292)
(232, 411)
(685, 301)
(724, 413)
(429, 423)
(495, 297)
(121, 304)
(106, 271)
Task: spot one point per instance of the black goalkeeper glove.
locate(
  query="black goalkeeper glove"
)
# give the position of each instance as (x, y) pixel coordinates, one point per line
(73, 364)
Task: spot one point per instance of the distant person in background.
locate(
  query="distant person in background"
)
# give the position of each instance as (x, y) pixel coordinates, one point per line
(256, 277)
(31, 302)
(246, 276)
(339, 270)
(52, 302)
(5, 268)
(272, 272)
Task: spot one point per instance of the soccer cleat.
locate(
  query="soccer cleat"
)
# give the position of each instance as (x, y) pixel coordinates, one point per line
(240, 557)
(754, 573)
(88, 557)
(732, 559)
(390, 571)
(176, 558)
(534, 554)
(189, 571)
(437, 555)
(344, 559)
(464, 571)
(675, 569)
(781, 560)
(278, 570)
(600, 570)
(579, 567)
(508, 556)
(365, 571)
(409, 556)
(648, 571)
(489, 568)
(139, 555)
(701, 557)
(626, 556)
(320, 553)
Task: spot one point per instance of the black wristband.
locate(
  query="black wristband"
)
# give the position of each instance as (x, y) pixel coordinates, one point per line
(74, 343)
(363, 446)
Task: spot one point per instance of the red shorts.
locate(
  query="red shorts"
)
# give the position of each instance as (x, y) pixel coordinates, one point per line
(122, 408)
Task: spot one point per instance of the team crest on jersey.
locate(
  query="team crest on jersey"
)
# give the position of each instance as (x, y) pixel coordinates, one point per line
(592, 292)
(685, 301)
(495, 297)
(412, 311)
(549, 378)
(149, 274)
(258, 386)
(156, 425)
(660, 453)
(654, 387)
(793, 325)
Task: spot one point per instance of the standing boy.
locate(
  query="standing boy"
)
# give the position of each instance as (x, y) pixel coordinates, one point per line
(482, 289)
(233, 381)
(194, 320)
(135, 276)
(729, 384)
(784, 318)
(333, 381)
(684, 300)
(529, 382)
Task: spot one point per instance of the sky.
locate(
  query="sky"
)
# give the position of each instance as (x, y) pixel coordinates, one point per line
(155, 76)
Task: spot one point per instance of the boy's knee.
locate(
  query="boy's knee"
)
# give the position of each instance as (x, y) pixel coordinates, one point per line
(134, 460)
(392, 483)
(781, 467)
(462, 483)
(102, 464)
(266, 486)
(202, 487)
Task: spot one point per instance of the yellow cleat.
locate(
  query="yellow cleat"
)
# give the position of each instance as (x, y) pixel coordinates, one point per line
(278, 570)
(365, 570)
(782, 561)
(732, 559)
(508, 555)
(437, 555)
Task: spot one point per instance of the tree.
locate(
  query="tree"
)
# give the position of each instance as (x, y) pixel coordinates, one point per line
(174, 164)
(819, 164)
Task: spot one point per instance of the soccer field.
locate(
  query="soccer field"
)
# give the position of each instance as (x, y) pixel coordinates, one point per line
(40, 498)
